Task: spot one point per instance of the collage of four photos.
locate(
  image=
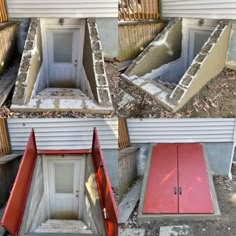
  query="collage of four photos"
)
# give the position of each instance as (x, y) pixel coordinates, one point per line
(117, 117)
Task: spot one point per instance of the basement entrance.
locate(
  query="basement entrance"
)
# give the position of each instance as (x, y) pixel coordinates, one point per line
(62, 192)
(63, 68)
(63, 56)
(65, 178)
(177, 182)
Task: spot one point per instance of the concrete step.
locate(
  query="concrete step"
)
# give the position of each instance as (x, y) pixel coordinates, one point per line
(63, 226)
(61, 93)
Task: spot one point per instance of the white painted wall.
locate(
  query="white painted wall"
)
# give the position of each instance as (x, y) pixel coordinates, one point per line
(62, 8)
(210, 9)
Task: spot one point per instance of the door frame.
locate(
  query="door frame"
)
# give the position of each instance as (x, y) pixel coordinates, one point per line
(47, 24)
(62, 157)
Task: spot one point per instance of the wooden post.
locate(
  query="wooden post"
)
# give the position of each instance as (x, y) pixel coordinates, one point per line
(4, 140)
(123, 133)
(3, 12)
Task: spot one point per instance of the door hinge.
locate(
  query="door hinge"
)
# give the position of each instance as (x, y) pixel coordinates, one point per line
(105, 214)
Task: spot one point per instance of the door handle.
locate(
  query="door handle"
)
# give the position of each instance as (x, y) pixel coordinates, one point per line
(180, 191)
(175, 190)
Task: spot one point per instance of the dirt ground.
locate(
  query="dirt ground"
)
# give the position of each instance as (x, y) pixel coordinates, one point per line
(224, 225)
(217, 99)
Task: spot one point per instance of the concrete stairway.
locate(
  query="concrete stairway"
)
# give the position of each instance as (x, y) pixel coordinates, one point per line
(62, 93)
(64, 227)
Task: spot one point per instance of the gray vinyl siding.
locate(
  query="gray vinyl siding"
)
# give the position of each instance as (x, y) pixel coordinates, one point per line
(64, 134)
(210, 9)
(181, 130)
(62, 8)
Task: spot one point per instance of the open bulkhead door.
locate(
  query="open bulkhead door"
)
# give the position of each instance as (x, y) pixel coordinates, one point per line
(108, 204)
(14, 211)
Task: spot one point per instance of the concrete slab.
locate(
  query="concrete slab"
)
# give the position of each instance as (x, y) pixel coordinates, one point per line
(47, 104)
(83, 106)
(131, 232)
(175, 230)
(139, 81)
(125, 100)
(128, 204)
(72, 103)
(152, 89)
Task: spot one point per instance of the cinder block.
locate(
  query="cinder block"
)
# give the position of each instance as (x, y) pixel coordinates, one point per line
(186, 80)
(177, 94)
(104, 97)
(194, 69)
(99, 67)
(101, 80)
(151, 89)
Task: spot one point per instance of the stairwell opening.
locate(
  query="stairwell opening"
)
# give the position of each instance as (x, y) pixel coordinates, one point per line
(63, 197)
(175, 65)
(62, 68)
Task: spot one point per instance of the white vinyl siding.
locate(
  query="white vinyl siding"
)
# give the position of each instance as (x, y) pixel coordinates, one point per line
(181, 130)
(64, 134)
(62, 8)
(210, 9)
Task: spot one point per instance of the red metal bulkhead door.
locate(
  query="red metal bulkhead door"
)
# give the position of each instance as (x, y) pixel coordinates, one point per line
(14, 211)
(194, 190)
(107, 200)
(161, 191)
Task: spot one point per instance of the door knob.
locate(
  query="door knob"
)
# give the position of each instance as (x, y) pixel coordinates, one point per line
(77, 195)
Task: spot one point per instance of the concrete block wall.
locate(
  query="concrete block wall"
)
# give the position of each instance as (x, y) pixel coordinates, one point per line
(94, 66)
(165, 48)
(205, 66)
(30, 64)
(7, 44)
